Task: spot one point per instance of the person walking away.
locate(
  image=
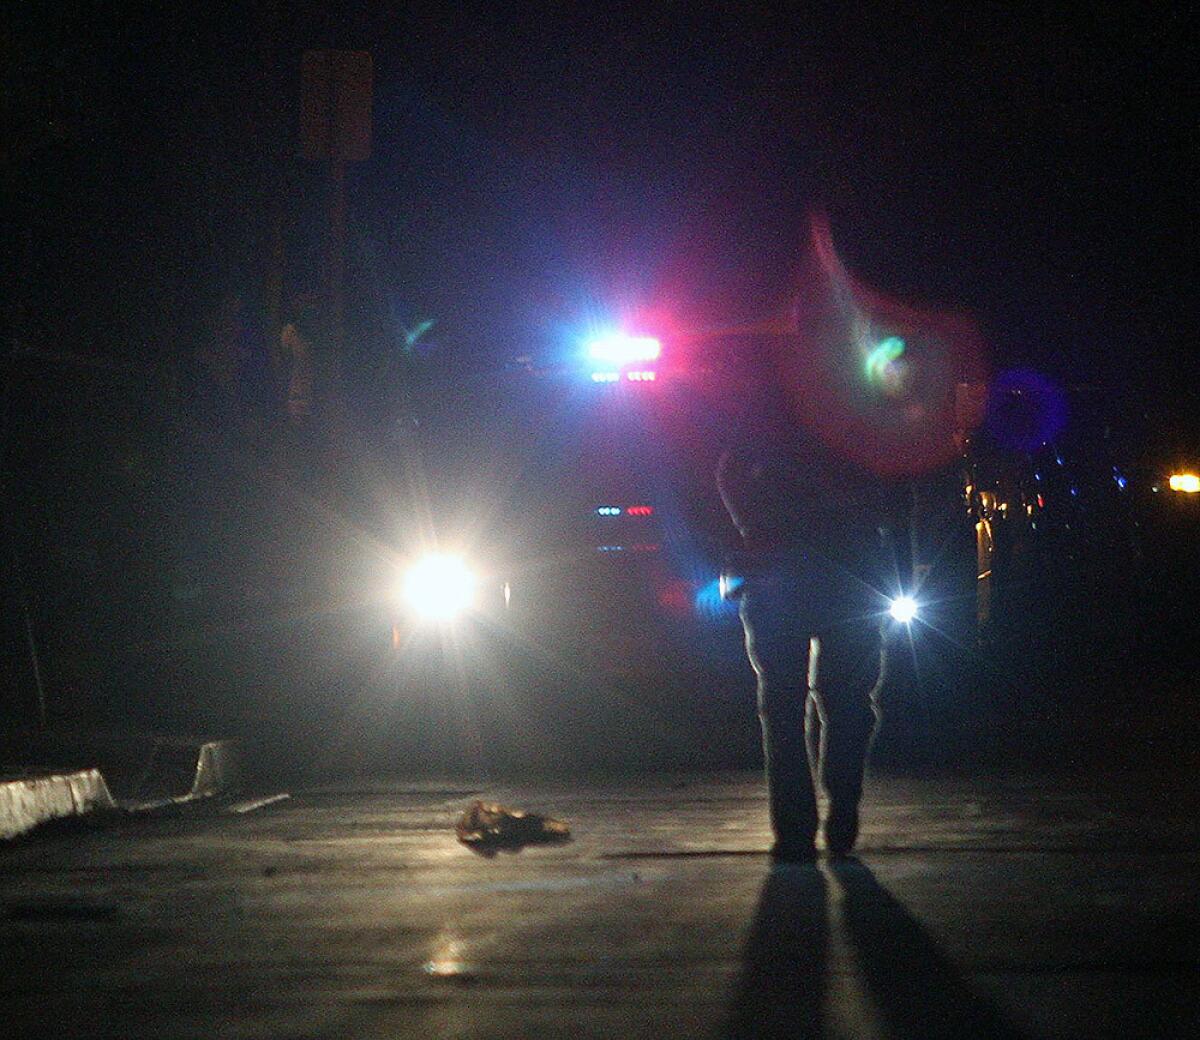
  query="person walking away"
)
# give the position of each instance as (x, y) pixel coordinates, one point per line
(814, 529)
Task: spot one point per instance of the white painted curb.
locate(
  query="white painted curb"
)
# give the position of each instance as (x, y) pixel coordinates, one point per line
(27, 801)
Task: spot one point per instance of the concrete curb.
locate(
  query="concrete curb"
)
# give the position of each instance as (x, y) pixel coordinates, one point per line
(216, 769)
(212, 767)
(27, 801)
(139, 769)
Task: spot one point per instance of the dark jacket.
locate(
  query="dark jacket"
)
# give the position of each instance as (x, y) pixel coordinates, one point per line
(790, 496)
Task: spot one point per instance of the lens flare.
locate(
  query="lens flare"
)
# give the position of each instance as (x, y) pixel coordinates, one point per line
(881, 356)
(440, 587)
(874, 377)
(903, 609)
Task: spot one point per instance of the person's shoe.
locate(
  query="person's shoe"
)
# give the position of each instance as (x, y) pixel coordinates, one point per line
(841, 830)
(793, 850)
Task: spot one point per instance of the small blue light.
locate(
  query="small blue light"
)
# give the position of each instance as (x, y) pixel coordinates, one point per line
(1058, 459)
(710, 602)
(1122, 482)
(1074, 492)
(1037, 476)
(608, 511)
(605, 377)
(610, 548)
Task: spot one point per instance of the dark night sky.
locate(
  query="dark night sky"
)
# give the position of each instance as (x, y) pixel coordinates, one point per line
(530, 166)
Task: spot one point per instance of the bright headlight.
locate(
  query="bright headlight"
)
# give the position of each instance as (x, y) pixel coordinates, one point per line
(903, 609)
(440, 587)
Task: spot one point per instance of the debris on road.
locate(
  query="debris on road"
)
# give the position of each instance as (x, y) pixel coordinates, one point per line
(487, 826)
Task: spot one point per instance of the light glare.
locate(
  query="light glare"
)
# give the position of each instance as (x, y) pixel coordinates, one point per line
(440, 587)
(903, 609)
(617, 348)
(1188, 483)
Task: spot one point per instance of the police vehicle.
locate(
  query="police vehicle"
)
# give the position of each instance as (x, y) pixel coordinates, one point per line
(557, 595)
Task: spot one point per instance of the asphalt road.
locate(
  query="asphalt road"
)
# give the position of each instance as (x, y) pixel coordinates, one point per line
(979, 908)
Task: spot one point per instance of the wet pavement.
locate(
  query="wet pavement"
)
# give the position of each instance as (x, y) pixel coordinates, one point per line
(998, 907)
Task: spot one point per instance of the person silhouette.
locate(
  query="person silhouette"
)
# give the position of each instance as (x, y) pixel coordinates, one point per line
(814, 529)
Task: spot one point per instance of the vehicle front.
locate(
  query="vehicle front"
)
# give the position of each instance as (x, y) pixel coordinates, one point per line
(564, 583)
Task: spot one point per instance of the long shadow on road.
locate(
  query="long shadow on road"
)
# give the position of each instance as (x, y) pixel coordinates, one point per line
(781, 989)
(908, 981)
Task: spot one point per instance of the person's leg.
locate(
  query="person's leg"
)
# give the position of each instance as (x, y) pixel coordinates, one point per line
(778, 652)
(845, 674)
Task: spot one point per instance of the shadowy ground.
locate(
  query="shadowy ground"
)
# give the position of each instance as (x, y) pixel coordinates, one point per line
(994, 907)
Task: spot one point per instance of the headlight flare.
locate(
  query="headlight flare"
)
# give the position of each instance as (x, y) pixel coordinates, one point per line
(440, 587)
(903, 609)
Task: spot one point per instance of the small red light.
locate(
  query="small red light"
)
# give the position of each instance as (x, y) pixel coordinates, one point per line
(676, 596)
(1041, 502)
(640, 511)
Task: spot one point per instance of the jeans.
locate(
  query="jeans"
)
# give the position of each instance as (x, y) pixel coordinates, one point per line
(817, 648)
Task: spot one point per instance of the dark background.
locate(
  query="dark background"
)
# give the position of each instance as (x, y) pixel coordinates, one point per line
(532, 168)
(527, 164)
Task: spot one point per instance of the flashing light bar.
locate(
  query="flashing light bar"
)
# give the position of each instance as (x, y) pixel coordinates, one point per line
(1188, 483)
(637, 547)
(638, 376)
(617, 348)
(628, 510)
